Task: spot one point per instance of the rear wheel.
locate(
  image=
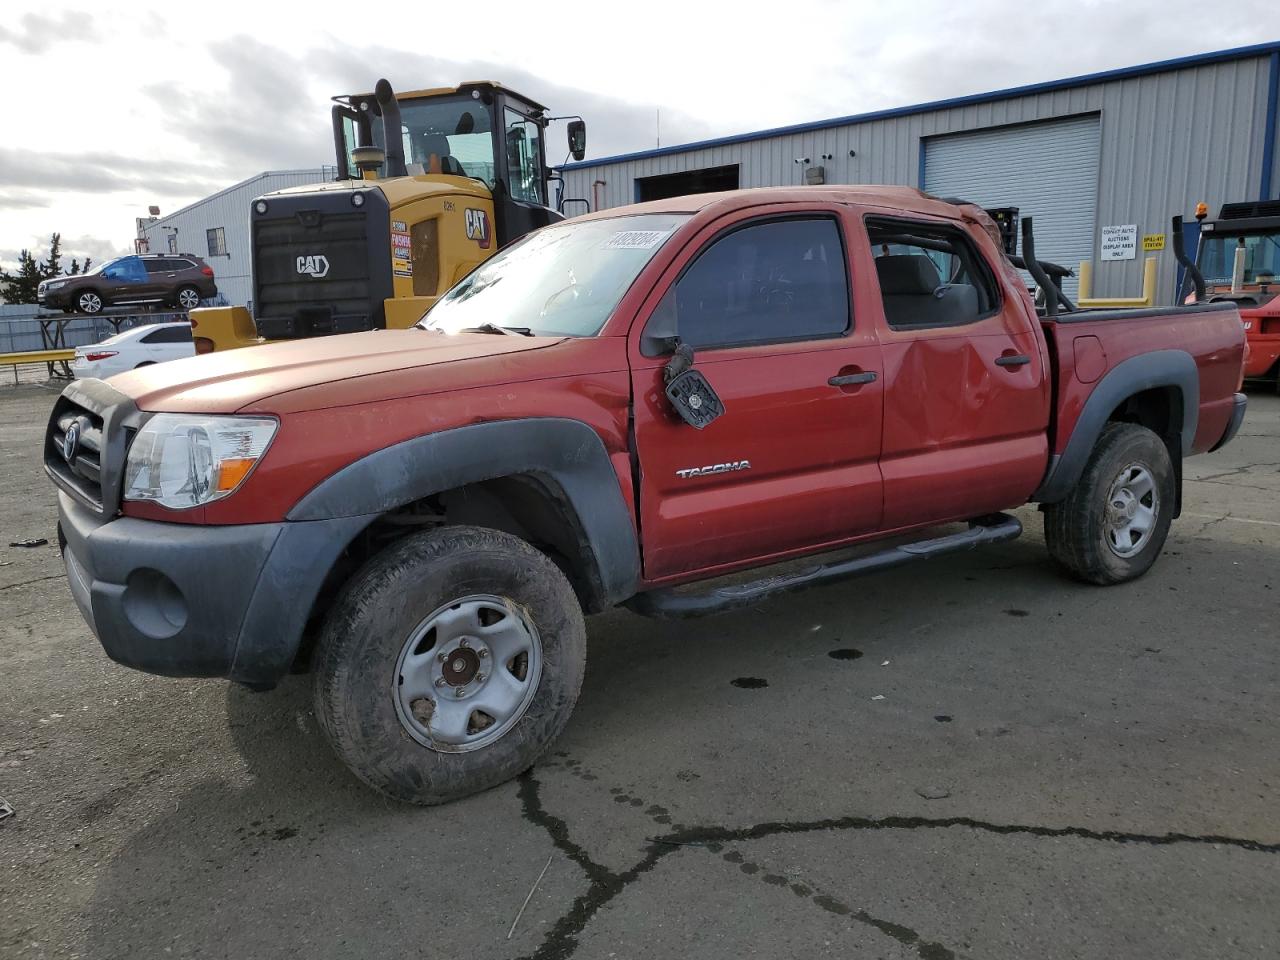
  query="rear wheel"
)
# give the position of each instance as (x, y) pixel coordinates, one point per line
(1114, 523)
(188, 298)
(89, 301)
(449, 663)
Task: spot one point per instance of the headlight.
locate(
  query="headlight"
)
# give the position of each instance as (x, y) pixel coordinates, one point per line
(183, 460)
(53, 284)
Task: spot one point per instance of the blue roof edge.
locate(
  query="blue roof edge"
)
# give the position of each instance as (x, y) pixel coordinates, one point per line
(1047, 86)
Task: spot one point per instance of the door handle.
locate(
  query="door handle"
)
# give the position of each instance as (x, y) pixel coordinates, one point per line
(850, 379)
(1018, 360)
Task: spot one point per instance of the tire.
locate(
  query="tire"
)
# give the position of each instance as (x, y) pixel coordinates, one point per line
(1096, 538)
(89, 301)
(187, 297)
(145, 363)
(378, 669)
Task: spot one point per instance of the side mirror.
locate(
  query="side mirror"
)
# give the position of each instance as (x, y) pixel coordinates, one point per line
(688, 391)
(577, 139)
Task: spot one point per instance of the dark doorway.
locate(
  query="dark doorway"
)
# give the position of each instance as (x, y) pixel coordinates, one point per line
(706, 180)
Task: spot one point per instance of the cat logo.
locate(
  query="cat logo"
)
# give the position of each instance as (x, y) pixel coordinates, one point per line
(478, 227)
(314, 266)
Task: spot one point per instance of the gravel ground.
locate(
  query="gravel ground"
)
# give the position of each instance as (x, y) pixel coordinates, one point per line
(968, 758)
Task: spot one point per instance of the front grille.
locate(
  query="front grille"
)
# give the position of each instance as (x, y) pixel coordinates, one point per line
(83, 471)
(105, 422)
(320, 265)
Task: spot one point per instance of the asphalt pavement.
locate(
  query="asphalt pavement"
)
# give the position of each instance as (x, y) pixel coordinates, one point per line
(970, 757)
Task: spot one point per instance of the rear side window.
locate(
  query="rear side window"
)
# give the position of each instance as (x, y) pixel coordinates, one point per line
(930, 275)
(766, 282)
(170, 333)
(156, 266)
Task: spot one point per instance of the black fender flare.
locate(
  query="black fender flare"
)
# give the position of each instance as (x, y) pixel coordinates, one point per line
(568, 455)
(1160, 368)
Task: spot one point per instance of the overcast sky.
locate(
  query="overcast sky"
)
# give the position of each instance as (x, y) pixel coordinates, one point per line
(115, 107)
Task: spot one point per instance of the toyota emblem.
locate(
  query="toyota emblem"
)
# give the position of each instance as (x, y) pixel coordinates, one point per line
(71, 442)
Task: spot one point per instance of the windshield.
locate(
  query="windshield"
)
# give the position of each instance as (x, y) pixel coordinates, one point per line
(561, 281)
(1261, 257)
(441, 135)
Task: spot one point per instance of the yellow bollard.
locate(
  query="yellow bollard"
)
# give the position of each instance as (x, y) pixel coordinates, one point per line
(1086, 280)
(1148, 298)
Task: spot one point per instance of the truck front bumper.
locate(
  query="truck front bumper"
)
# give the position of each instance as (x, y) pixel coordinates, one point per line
(186, 600)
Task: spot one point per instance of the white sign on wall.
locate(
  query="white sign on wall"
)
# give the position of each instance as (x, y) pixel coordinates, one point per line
(1120, 242)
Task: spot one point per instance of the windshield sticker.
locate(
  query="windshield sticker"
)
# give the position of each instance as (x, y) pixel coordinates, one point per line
(636, 239)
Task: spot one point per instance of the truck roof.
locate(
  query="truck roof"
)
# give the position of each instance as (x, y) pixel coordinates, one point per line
(446, 91)
(877, 195)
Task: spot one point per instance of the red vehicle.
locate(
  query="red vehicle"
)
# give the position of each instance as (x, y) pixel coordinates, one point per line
(617, 410)
(1252, 231)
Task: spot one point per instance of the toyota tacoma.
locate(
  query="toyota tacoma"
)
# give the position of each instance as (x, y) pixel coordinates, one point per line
(652, 406)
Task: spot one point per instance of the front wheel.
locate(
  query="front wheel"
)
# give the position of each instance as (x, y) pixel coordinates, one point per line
(89, 301)
(188, 298)
(1114, 522)
(449, 663)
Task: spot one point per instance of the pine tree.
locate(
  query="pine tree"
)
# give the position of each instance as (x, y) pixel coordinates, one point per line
(21, 287)
(53, 266)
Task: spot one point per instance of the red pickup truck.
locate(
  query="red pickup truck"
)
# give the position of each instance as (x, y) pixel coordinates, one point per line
(620, 409)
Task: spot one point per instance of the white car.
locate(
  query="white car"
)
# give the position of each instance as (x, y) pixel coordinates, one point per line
(133, 348)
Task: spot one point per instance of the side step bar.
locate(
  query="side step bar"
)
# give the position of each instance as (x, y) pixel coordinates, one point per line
(673, 603)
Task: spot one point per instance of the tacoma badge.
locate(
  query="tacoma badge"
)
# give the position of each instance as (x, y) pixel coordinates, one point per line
(688, 472)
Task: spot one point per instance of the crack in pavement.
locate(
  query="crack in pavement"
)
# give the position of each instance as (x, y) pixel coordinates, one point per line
(927, 949)
(561, 941)
(23, 583)
(1234, 472)
(774, 828)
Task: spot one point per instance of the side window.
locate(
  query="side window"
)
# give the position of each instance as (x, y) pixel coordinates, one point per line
(766, 282)
(170, 333)
(155, 266)
(217, 240)
(930, 275)
(524, 168)
(127, 270)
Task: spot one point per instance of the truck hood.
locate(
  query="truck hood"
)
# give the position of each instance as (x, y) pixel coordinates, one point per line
(229, 381)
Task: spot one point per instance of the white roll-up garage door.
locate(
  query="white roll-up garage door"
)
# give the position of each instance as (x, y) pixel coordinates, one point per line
(1048, 170)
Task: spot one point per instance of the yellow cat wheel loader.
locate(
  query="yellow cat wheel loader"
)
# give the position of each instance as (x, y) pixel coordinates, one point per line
(430, 184)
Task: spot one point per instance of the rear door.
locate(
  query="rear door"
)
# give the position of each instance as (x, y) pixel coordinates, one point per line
(763, 297)
(155, 283)
(967, 398)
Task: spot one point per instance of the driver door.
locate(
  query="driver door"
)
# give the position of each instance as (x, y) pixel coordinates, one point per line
(792, 463)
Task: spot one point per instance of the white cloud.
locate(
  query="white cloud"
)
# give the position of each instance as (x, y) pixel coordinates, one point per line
(167, 107)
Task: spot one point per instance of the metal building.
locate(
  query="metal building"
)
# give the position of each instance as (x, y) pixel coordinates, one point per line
(217, 229)
(1115, 153)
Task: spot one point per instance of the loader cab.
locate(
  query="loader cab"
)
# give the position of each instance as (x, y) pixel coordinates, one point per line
(1246, 235)
(480, 131)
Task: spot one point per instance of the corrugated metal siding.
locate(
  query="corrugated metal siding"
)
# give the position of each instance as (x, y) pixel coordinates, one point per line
(1167, 141)
(228, 209)
(1049, 171)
